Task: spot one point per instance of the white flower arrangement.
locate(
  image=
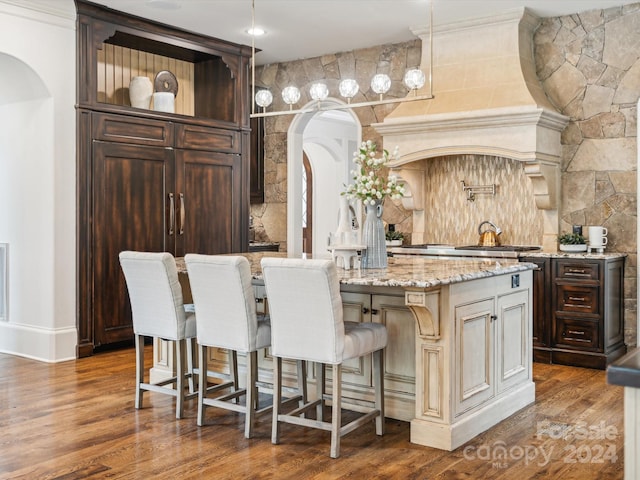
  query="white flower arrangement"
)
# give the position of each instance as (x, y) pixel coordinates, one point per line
(368, 185)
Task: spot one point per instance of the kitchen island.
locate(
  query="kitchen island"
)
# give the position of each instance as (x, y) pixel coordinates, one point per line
(459, 354)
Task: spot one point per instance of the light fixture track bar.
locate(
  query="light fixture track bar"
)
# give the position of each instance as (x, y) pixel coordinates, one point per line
(320, 108)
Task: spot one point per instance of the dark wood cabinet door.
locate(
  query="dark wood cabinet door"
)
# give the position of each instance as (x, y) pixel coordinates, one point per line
(131, 211)
(256, 160)
(209, 206)
(541, 308)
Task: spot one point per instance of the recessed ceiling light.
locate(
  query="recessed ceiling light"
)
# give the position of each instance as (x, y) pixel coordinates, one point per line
(256, 31)
(164, 4)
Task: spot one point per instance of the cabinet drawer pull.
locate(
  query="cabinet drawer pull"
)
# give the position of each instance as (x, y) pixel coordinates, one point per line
(172, 214)
(575, 332)
(577, 299)
(183, 213)
(576, 270)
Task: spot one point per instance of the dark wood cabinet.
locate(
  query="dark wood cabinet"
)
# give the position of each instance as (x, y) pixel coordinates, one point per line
(541, 334)
(208, 213)
(257, 160)
(148, 180)
(578, 315)
(129, 212)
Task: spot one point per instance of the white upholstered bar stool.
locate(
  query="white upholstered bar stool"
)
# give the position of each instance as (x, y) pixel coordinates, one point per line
(307, 324)
(226, 318)
(159, 312)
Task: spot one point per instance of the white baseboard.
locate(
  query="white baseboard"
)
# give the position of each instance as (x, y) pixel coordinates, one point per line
(43, 344)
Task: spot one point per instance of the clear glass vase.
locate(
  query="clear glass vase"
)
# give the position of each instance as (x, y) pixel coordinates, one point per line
(375, 256)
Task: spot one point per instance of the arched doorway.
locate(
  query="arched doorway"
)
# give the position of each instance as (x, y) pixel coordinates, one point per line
(328, 138)
(307, 205)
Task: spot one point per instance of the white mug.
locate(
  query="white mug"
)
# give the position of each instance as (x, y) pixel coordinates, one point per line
(598, 236)
(164, 102)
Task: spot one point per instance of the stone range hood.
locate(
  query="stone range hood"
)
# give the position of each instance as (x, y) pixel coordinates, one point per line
(487, 101)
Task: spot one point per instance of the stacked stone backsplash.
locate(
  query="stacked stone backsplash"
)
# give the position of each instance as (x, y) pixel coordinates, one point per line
(589, 65)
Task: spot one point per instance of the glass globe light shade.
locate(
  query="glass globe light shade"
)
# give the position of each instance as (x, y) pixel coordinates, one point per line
(291, 95)
(414, 79)
(264, 98)
(348, 88)
(319, 91)
(380, 83)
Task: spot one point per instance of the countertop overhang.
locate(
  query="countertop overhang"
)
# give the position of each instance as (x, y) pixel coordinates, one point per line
(626, 370)
(413, 272)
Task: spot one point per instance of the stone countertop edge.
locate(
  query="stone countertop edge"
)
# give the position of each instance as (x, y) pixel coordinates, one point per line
(415, 272)
(581, 255)
(626, 370)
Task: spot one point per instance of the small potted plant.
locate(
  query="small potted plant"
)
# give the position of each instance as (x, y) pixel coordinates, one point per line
(394, 238)
(572, 242)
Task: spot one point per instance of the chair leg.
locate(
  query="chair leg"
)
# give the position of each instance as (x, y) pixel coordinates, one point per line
(250, 413)
(378, 382)
(256, 398)
(139, 341)
(320, 390)
(277, 399)
(202, 382)
(302, 381)
(191, 347)
(233, 371)
(336, 411)
(180, 354)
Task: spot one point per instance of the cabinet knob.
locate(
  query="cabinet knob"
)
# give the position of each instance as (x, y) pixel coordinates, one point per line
(365, 310)
(494, 317)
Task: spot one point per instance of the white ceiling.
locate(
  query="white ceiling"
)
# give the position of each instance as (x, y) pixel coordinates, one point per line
(309, 28)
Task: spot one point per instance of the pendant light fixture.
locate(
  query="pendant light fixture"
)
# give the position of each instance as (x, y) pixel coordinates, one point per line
(414, 80)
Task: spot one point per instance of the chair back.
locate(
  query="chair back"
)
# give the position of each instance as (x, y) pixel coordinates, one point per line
(305, 309)
(155, 294)
(224, 299)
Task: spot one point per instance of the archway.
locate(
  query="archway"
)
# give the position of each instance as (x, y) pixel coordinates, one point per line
(329, 139)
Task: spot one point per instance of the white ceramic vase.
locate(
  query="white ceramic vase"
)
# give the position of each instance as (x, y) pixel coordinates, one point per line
(140, 90)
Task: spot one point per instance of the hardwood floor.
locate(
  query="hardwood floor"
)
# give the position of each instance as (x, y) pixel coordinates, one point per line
(76, 420)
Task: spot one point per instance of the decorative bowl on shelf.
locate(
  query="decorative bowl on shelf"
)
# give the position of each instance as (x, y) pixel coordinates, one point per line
(582, 247)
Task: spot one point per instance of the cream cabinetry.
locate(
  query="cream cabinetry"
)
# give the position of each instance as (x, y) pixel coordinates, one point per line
(477, 370)
(399, 357)
(490, 350)
(475, 378)
(399, 360)
(458, 358)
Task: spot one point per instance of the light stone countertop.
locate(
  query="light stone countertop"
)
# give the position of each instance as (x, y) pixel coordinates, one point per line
(581, 255)
(416, 271)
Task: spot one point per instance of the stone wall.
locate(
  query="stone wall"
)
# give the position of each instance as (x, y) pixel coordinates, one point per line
(270, 218)
(589, 65)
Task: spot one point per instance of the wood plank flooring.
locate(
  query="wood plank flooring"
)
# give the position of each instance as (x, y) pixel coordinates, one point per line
(76, 420)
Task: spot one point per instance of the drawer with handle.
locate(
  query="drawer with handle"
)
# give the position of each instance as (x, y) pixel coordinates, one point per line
(578, 299)
(582, 334)
(567, 270)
